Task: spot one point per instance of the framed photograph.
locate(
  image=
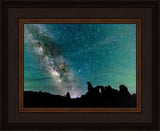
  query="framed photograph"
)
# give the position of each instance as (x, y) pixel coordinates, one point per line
(79, 65)
(59, 59)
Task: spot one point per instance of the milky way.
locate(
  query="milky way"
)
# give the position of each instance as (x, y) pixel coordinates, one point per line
(54, 63)
(61, 58)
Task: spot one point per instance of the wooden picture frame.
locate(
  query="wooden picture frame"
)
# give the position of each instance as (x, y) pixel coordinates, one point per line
(97, 21)
(147, 115)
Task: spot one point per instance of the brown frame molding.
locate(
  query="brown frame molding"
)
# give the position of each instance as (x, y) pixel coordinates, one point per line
(113, 21)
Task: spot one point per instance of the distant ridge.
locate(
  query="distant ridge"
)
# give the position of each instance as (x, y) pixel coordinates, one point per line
(98, 96)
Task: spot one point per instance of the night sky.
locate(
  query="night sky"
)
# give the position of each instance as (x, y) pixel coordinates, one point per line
(61, 58)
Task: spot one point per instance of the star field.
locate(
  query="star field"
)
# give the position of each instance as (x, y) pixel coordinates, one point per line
(61, 58)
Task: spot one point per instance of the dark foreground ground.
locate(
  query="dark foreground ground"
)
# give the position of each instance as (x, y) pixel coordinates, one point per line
(95, 97)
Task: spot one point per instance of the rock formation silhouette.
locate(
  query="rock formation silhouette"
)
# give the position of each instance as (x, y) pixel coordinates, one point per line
(98, 96)
(68, 95)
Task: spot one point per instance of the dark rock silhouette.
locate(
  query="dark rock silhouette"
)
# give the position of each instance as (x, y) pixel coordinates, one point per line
(123, 90)
(98, 96)
(68, 95)
(90, 87)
